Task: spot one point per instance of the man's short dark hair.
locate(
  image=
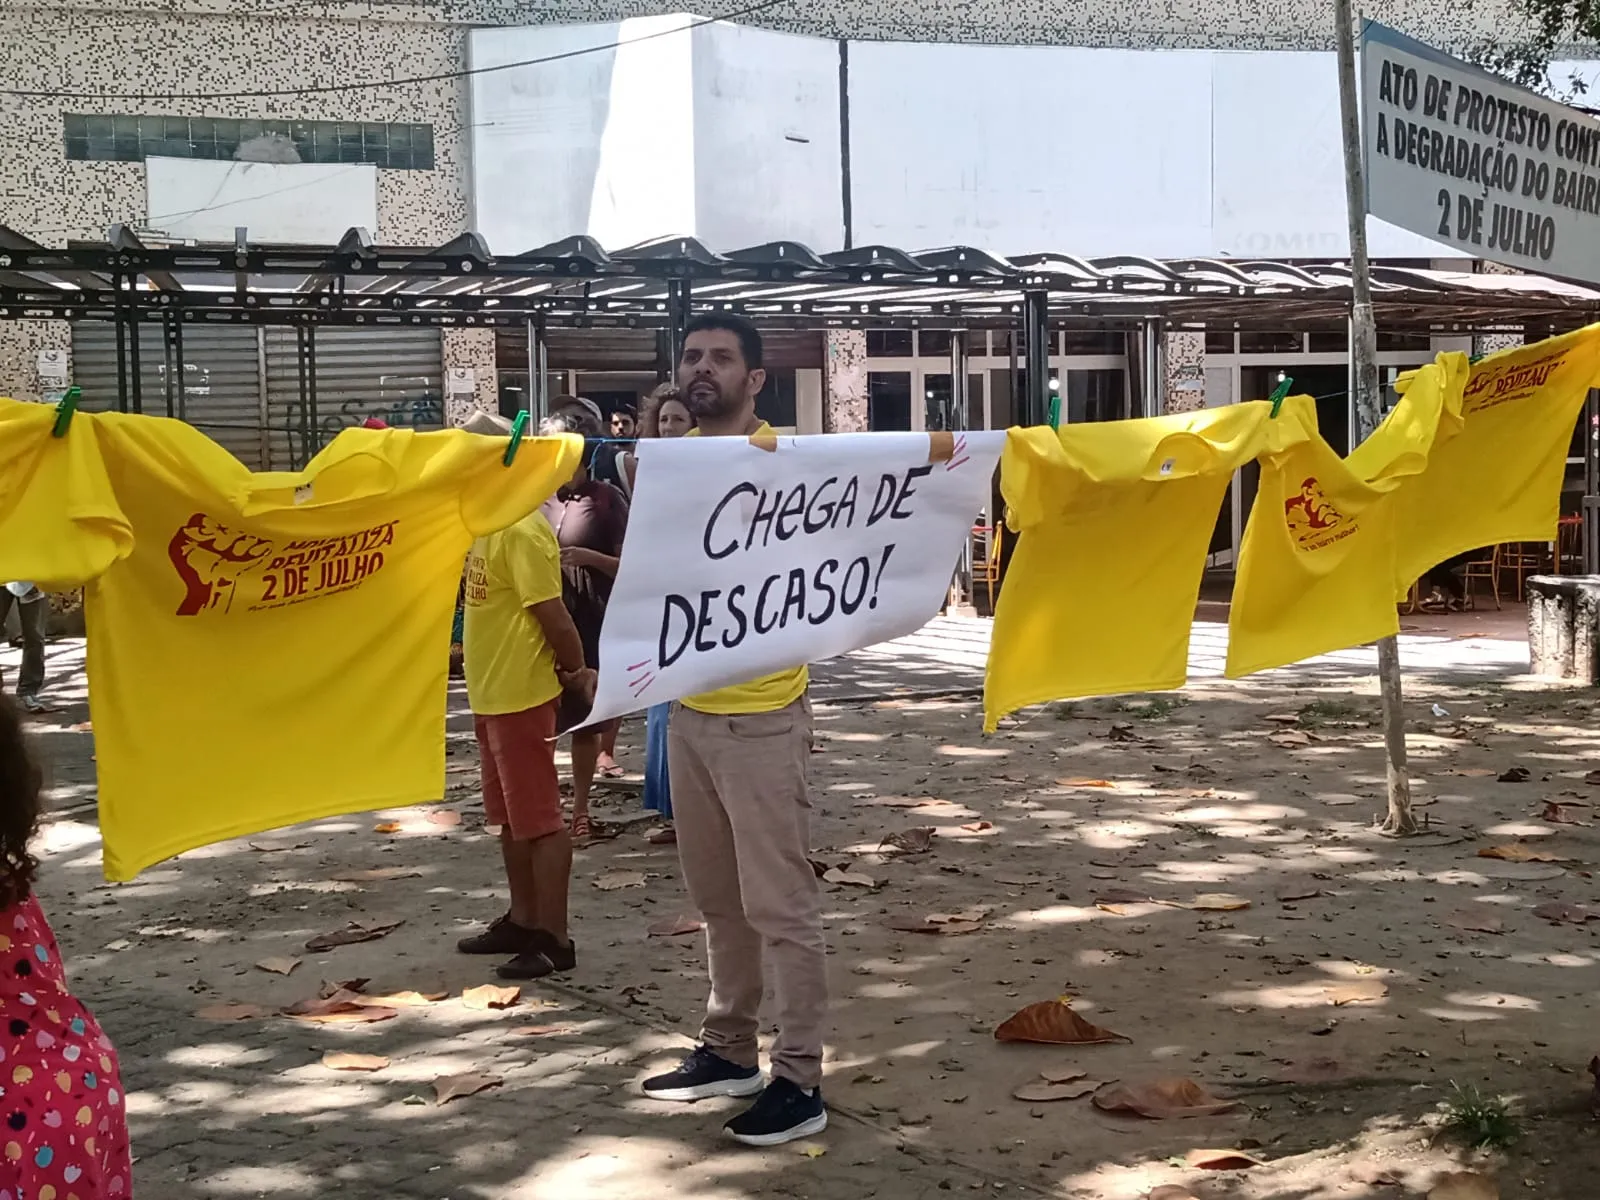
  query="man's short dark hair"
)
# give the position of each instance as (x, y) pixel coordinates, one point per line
(749, 336)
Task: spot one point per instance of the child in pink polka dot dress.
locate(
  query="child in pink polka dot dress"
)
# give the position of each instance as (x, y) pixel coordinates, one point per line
(63, 1129)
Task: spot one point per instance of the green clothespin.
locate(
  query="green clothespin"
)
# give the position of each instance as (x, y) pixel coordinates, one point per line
(518, 427)
(1278, 393)
(1055, 412)
(64, 410)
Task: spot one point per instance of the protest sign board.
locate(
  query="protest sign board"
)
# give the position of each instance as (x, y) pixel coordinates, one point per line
(746, 556)
(1476, 163)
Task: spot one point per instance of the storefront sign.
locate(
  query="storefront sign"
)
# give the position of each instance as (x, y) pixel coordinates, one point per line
(1478, 164)
(749, 556)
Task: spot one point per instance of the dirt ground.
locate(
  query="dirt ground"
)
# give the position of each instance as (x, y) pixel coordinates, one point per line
(1365, 977)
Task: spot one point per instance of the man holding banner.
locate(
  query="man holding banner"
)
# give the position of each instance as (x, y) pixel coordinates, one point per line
(739, 762)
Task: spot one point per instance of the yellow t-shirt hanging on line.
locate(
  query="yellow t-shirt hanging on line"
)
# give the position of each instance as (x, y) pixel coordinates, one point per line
(1498, 478)
(1114, 522)
(510, 666)
(765, 694)
(58, 523)
(1317, 561)
(274, 647)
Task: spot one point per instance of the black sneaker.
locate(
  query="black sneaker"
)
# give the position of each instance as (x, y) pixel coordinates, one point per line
(502, 937)
(542, 956)
(782, 1113)
(704, 1073)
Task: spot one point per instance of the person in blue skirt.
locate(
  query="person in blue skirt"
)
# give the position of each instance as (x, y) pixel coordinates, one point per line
(663, 414)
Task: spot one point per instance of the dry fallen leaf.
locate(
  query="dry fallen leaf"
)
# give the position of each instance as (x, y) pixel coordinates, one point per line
(949, 924)
(444, 818)
(1560, 913)
(978, 826)
(675, 927)
(1519, 852)
(1515, 775)
(1291, 895)
(1562, 814)
(1314, 1070)
(1086, 783)
(487, 996)
(1162, 1098)
(339, 1010)
(615, 881)
(1221, 1160)
(1053, 1023)
(1465, 1185)
(1041, 1091)
(454, 1087)
(403, 999)
(278, 966)
(1291, 740)
(1363, 991)
(1121, 896)
(386, 827)
(853, 878)
(1471, 772)
(339, 1060)
(1217, 902)
(1061, 1074)
(277, 847)
(344, 985)
(372, 874)
(351, 934)
(233, 1012)
(1475, 922)
(918, 840)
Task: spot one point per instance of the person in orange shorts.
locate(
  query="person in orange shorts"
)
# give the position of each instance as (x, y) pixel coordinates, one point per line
(522, 651)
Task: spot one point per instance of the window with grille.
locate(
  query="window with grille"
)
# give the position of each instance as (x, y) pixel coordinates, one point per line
(392, 144)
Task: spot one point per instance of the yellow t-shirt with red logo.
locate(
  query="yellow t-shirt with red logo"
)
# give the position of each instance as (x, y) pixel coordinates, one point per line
(273, 648)
(765, 694)
(510, 667)
(1496, 473)
(1319, 550)
(1113, 520)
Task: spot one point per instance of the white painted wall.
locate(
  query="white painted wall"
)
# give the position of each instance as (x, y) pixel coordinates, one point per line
(1020, 149)
(600, 143)
(731, 134)
(722, 132)
(207, 200)
(766, 138)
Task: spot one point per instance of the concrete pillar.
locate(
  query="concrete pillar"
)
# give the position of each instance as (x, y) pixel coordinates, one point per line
(844, 372)
(1186, 371)
(472, 350)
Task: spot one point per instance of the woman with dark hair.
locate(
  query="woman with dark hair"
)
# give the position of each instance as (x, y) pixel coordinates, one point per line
(589, 519)
(65, 1126)
(663, 414)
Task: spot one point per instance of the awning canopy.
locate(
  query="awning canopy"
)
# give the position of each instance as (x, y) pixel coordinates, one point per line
(576, 283)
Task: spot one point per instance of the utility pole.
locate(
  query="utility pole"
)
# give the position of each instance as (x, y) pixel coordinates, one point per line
(1400, 821)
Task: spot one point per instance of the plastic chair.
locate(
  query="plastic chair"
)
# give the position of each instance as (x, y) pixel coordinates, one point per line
(988, 540)
(1486, 570)
(1522, 559)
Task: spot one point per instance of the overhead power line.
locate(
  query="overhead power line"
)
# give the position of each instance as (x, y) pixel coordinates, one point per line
(376, 84)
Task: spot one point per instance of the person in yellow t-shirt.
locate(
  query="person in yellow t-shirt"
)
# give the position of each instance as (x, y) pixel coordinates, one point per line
(521, 652)
(738, 758)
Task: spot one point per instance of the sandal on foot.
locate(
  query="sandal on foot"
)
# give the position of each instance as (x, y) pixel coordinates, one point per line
(580, 828)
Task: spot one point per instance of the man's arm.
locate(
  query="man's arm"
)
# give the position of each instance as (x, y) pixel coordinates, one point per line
(562, 635)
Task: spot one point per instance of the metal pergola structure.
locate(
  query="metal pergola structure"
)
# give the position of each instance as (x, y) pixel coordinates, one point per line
(575, 283)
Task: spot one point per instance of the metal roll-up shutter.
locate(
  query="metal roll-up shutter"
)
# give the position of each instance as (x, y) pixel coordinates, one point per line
(396, 375)
(221, 392)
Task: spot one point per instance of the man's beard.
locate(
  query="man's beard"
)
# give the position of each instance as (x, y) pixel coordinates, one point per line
(705, 399)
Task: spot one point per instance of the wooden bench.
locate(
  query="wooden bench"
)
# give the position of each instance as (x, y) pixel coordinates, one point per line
(1564, 626)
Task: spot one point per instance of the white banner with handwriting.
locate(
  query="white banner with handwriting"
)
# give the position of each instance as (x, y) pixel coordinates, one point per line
(746, 556)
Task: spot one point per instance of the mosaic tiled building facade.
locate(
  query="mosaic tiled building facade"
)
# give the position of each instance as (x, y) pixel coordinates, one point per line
(263, 60)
